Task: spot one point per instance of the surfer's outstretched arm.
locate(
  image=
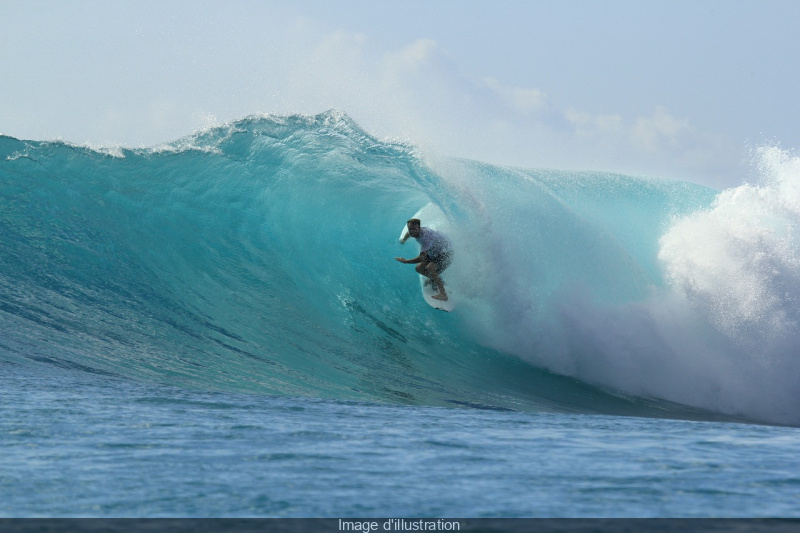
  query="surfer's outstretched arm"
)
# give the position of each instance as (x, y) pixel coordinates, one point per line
(419, 259)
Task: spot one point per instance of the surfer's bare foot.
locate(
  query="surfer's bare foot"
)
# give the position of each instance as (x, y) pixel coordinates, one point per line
(442, 297)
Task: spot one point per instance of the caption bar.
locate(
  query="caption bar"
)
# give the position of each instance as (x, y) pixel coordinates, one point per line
(399, 524)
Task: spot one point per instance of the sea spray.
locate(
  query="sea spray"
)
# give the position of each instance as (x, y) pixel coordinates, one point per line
(737, 263)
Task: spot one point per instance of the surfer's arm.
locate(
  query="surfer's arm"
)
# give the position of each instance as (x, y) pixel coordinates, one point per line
(405, 238)
(419, 259)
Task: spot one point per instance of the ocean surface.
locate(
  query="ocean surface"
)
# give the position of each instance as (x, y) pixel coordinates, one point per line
(216, 327)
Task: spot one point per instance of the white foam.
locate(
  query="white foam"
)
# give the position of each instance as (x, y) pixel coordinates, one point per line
(738, 266)
(719, 334)
(739, 262)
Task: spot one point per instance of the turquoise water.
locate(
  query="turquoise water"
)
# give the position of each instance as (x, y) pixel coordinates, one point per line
(217, 327)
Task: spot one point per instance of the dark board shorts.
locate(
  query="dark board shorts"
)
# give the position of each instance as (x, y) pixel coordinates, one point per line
(442, 260)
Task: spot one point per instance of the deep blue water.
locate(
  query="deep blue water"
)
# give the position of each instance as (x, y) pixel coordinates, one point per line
(217, 327)
(75, 444)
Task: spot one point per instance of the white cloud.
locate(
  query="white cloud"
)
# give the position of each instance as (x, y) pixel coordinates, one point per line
(341, 47)
(525, 101)
(654, 134)
(586, 124)
(659, 143)
(662, 131)
(412, 57)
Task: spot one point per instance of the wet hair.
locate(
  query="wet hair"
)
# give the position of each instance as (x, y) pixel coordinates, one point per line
(414, 221)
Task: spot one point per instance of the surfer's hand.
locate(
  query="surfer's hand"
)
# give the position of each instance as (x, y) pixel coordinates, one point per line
(402, 260)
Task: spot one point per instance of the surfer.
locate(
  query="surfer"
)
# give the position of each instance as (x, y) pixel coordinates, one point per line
(435, 255)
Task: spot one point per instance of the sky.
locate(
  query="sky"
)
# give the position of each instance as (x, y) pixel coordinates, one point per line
(675, 89)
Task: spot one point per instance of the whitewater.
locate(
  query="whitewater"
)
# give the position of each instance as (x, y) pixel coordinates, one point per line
(249, 266)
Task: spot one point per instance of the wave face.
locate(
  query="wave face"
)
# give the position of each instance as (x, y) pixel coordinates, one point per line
(257, 257)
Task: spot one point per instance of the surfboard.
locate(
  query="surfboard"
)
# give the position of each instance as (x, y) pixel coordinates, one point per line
(428, 292)
(432, 217)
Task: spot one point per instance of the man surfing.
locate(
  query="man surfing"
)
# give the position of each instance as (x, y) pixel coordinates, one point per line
(435, 255)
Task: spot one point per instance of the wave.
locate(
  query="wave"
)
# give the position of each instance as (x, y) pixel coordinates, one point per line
(256, 257)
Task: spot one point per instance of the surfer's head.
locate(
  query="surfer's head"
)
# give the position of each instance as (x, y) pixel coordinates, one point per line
(413, 227)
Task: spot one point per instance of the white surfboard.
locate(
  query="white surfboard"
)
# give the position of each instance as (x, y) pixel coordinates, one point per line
(432, 217)
(429, 290)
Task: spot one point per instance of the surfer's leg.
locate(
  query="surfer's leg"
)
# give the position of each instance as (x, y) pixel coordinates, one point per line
(433, 274)
(422, 269)
(430, 270)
